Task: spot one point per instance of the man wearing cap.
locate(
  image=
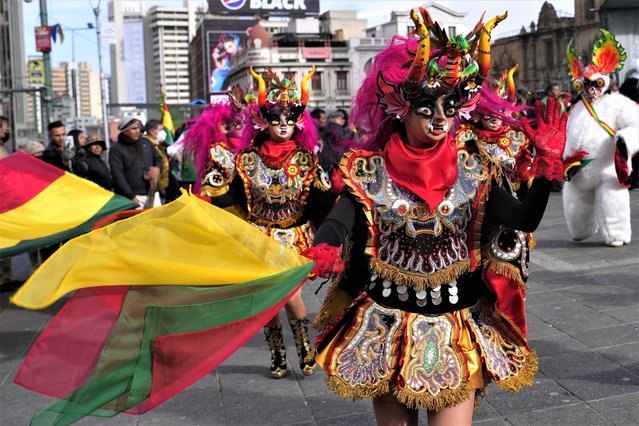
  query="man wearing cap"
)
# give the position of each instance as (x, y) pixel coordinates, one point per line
(135, 164)
(90, 165)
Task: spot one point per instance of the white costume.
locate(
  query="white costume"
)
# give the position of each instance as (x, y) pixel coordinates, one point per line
(594, 199)
(596, 185)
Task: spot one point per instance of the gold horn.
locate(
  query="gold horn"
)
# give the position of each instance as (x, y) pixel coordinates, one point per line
(304, 87)
(261, 89)
(510, 83)
(484, 43)
(418, 67)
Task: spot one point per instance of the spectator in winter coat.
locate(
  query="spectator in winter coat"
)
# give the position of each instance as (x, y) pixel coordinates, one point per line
(135, 165)
(90, 165)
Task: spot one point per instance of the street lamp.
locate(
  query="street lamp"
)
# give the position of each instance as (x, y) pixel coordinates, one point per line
(105, 115)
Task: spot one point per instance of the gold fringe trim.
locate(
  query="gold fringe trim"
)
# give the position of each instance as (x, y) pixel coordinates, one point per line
(446, 397)
(532, 242)
(525, 376)
(418, 281)
(347, 391)
(324, 316)
(505, 269)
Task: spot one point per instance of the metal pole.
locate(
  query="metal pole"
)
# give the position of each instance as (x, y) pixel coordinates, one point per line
(48, 96)
(74, 79)
(105, 115)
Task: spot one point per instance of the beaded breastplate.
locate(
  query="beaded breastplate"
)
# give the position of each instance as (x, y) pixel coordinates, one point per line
(500, 150)
(276, 196)
(221, 170)
(412, 246)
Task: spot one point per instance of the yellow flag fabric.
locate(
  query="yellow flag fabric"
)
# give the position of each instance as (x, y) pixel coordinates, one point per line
(186, 242)
(49, 211)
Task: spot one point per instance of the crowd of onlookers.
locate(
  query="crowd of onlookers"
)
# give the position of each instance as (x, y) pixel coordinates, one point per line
(137, 166)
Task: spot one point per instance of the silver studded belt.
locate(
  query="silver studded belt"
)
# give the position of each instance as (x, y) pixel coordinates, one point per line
(457, 294)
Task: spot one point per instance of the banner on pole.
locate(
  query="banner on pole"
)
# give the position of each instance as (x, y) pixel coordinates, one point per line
(107, 32)
(36, 71)
(43, 39)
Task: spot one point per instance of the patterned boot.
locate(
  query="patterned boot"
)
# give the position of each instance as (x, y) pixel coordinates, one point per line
(304, 350)
(275, 340)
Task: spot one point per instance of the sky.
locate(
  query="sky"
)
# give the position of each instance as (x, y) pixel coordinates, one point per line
(77, 13)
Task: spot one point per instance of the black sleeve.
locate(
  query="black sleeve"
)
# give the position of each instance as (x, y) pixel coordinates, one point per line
(339, 222)
(120, 184)
(525, 215)
(318, 205)
(235, 195)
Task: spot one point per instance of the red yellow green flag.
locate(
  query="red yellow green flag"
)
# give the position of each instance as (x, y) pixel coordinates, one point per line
(176, 307)
(42, 205)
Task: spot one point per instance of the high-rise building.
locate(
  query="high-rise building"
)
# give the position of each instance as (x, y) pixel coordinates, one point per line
(167, 54)
(128, 67)
(75, 104)
(13, 74)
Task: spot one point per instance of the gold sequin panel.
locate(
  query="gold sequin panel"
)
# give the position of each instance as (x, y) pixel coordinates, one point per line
(424, 361)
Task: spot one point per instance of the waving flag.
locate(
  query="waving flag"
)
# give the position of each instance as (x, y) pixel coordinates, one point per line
(152, 316)
(167, 121)
(42, 205)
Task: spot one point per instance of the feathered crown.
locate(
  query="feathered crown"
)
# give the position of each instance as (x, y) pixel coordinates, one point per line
(282, 96)
(607, 56)
(456, 65)
(239, 99)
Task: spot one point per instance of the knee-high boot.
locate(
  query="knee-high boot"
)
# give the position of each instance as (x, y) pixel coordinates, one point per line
(275, 340)
(303, 346)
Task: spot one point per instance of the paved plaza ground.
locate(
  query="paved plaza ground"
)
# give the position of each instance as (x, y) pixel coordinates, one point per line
(583, 316)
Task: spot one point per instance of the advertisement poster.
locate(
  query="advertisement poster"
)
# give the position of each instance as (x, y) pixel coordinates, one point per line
(43, 39)
(225, 39)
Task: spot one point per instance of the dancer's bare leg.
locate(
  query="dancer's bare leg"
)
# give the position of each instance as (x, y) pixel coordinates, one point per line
(458, 415)
(295, 308)
(388, 413)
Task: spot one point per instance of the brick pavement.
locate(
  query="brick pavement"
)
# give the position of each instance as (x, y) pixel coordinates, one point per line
(583, 311)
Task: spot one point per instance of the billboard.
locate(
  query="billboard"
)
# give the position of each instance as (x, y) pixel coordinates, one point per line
(291, 8)
(223, 40)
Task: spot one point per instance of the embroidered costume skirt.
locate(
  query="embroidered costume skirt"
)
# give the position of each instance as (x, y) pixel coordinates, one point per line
(422, 361)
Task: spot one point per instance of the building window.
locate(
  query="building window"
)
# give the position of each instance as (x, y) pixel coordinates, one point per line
(452, 31)
(549, 54)
(316, 81)
(342, 80)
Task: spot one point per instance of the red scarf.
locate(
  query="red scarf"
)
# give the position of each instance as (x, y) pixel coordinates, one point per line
(274, 153)
(490, 135)
(427, 172)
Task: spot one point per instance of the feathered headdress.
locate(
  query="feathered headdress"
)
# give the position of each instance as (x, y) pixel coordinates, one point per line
(282, 98)
(498, 99)
(456, 66)
(608, 56)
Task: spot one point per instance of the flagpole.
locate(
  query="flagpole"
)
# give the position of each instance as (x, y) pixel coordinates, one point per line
(105, 114)
(47, 68)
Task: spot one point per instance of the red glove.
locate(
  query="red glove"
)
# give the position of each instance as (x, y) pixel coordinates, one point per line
(523, 163)
(549, 139)
(328, 260)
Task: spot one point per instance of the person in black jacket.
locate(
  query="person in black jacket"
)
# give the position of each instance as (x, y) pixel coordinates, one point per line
(56, 153)
(90, 166)
(135, 165)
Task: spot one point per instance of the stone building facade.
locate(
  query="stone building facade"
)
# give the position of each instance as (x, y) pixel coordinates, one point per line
(540, 49)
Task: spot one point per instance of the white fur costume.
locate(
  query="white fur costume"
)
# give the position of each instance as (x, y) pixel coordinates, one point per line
(594, 199)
